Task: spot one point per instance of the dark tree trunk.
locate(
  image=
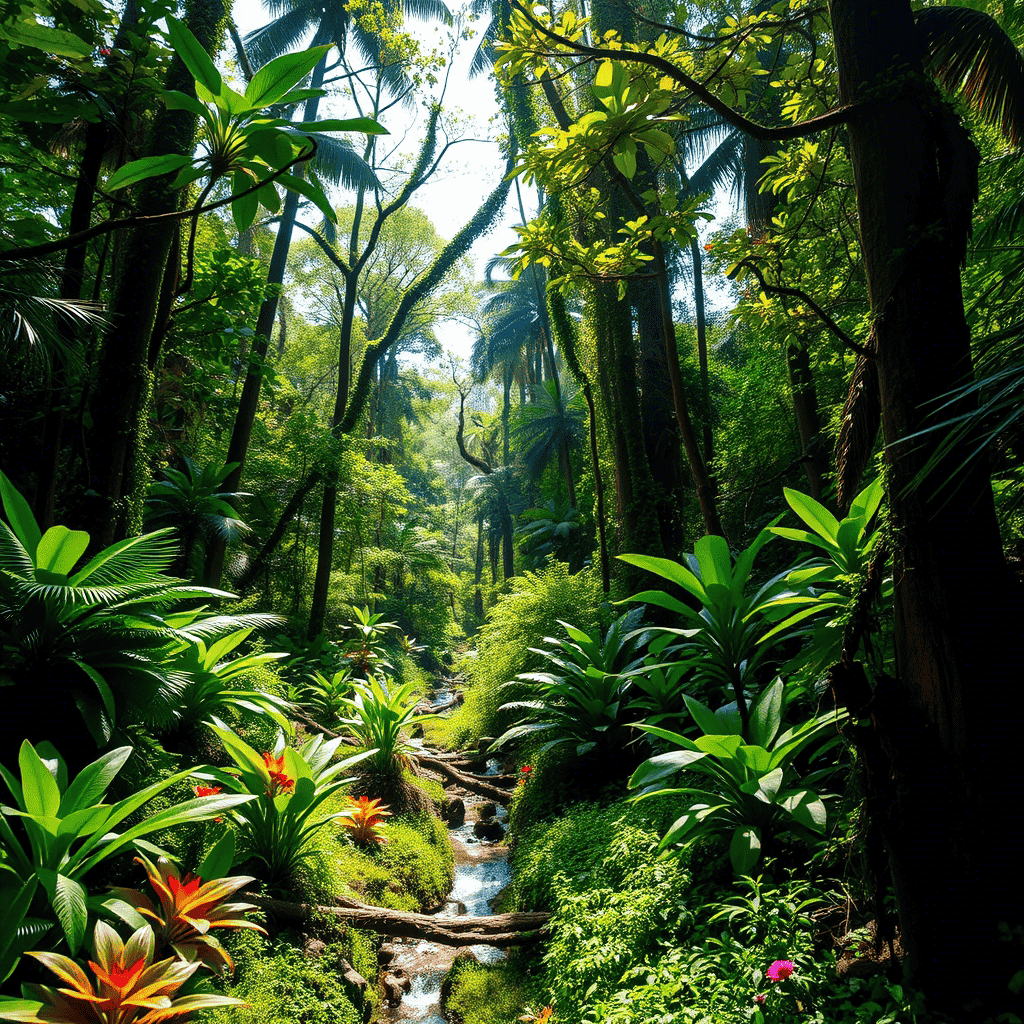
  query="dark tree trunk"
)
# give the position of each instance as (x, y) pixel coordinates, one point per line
(808, 423)
(702, 349)
(124, 381)
(951, 718)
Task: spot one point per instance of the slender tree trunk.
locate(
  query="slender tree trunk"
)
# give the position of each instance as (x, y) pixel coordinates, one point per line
(808, 423)
(248, 404)
(702, 348)
(951, 718)
(478, 597)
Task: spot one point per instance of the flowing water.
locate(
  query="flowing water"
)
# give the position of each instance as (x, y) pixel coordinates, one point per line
(481, 872)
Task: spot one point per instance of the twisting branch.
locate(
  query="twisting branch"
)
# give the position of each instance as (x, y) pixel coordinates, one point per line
(799, 293)
(29, 252)
(840, 115)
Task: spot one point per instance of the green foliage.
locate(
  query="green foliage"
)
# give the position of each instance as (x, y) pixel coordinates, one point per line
(213, 682)
(101, 628)
(724, 650)
(827, 587)
(750, 789)
(583, 698)
(520, 620)
(290, 787)
(381, 714)
(485, 993)
(239, 139)
(612, 900)
(283, 986)
(61, 830)
(190, 502)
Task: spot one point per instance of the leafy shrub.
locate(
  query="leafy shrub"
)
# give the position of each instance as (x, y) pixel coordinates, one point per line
(612, 900)
(519, 621)
(485, 993)
(280, 985)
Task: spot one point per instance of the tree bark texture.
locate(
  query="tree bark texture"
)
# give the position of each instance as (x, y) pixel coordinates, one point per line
(951, 716)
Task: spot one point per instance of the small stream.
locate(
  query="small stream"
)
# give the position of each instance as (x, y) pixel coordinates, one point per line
(481, 872)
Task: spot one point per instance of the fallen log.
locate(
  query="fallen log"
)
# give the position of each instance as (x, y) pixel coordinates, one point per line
(493, 930)
(474, 783)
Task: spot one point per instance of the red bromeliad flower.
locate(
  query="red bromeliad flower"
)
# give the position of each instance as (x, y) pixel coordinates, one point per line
(780, 970)
(206, 790)
(279, 780)
(526, 769)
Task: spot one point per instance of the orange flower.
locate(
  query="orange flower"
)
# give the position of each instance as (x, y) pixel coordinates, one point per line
(279, 780)
(206, 790)
(185, 889)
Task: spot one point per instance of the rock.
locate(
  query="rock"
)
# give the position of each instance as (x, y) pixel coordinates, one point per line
(490, 830)
(393, 990)
(417, 732)
(352, 977)
(486, 811)
(484, 744)
(453, 811)
(385, 954)
(446, 985)
(314, 947)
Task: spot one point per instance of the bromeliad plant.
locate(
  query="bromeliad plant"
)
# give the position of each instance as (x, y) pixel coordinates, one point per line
(128, 986)
(584, 697)
(56, 833)
(186, 910)
(748, 788)
(378, 717)
(365, 650)
(290, 787)
(363, 821)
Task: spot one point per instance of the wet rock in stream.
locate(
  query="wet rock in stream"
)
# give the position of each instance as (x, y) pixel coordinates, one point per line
(453, 811)
(492, 831)
(487, 810)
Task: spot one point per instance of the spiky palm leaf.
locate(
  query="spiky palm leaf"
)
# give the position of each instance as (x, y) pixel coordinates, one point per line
(969, 53)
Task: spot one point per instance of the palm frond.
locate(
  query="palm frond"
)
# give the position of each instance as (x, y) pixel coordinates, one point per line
(135, 560)
(969, 53)
(337, 161)
(216, 626)
(283, 34)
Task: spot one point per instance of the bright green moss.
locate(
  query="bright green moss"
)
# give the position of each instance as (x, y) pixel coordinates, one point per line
(485, 993)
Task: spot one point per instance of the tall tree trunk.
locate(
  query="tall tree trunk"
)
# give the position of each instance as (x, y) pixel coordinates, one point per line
(702, 348)
(951, 717)
(808, 423)
(241, 432)
(124, 381)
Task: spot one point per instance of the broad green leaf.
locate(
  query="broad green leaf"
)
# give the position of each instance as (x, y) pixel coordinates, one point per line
(14, 912)
(714, 560)
(60, 549)
(274, 80)
(38, 786)
(304, 188)
(661, 766)
(175, 100)
(147, 167)
(218, 861)
(244, 208)
(668, 570)
(865, 505)
(19, 514)
(193, 56)
(756, 758)
(703, 716)
(69, 904)
(766, 714)
(745, 849)
(56, 41)
(814, 514)
(93, 780)
(807, 809)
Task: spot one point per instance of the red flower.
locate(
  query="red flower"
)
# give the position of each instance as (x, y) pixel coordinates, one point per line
(206, 790)
(709, 246)
(526, 769)
(104, 51)
(187, 888)
(781, 970)
(760, 998)
(279, 780)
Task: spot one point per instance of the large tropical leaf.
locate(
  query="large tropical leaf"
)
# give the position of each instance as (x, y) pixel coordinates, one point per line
(970, 54)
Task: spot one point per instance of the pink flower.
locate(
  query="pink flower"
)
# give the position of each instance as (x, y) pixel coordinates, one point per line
(781, 970)
(760, 998)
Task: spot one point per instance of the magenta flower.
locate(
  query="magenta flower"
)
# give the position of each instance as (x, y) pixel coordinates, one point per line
(760, 998)
(781, 970)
